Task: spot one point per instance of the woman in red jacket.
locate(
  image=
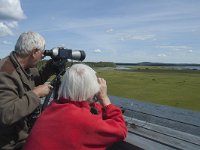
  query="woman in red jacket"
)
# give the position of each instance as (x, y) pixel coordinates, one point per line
(75, 121)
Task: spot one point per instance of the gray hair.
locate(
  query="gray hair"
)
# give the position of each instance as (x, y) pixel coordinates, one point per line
(79, 83)
(28, 41)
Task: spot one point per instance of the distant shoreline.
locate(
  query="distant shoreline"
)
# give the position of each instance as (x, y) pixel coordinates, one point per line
(157, 64)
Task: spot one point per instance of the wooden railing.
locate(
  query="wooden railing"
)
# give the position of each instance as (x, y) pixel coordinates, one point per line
(158, 127)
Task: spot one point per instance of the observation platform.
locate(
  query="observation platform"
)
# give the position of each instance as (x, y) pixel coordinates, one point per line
(158, 127)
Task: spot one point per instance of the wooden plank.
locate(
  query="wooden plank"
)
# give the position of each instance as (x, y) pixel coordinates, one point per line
(123, 145)
(192, 117)
(164, 130)
(153, 126)
(165, 140)
(178, 119)
(167, 122)
(161, 136)
(145, 143)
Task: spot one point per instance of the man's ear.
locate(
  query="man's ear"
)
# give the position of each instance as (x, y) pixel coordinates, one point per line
(34, 52)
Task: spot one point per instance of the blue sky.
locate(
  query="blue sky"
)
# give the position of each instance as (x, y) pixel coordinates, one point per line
(108, 30)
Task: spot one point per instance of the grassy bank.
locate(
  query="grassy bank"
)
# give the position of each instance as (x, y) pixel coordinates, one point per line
(167, 87)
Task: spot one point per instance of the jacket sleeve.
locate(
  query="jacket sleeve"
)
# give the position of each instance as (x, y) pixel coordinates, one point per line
(14, 107)
(109, 129)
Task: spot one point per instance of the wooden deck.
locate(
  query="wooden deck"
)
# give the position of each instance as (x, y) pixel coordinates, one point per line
(157, 127)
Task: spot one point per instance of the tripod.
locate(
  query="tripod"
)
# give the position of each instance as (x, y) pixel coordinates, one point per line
(55, 83)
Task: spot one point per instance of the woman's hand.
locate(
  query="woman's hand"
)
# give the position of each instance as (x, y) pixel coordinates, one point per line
(102, 95)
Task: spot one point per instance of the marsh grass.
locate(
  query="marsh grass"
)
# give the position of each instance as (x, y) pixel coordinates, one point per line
(167, 87)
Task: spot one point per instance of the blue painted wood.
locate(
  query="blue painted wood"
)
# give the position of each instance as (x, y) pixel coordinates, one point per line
(153, 126)
(179, 119)
(156, 136)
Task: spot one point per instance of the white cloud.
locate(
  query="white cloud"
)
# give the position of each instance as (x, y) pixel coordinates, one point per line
(4, 30)
(12, 24)
(97, 51)
(162, 55)
(6, 42)
(10, 13)
(138, 37)
(109, 30)
(178, 53)
(61, 45)
(174, 48)
(11, 9)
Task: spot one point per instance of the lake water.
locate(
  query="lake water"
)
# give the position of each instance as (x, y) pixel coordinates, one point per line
(124, 67)
(186, 67)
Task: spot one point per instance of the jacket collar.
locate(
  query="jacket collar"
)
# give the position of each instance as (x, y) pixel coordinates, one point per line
(94, 107)
(25, 75)
(77, 103)
(17, 65)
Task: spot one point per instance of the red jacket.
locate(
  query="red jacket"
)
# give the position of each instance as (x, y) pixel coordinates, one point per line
(71, 126)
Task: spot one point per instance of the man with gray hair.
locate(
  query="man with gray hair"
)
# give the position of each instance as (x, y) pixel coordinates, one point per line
(21, 87)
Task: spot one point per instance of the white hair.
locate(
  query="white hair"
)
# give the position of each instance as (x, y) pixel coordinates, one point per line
(28, 41)
(79, 83)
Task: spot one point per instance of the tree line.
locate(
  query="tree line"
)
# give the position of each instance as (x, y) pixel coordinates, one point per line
(91, 64)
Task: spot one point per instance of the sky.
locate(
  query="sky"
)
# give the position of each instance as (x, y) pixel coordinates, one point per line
(128, 31)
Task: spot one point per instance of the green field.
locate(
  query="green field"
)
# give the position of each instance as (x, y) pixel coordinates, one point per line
(162, 86)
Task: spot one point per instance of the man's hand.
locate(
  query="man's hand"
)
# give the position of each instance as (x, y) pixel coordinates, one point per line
(42, 90)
